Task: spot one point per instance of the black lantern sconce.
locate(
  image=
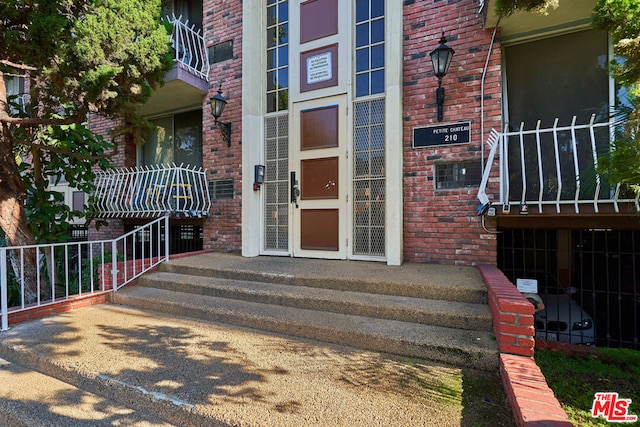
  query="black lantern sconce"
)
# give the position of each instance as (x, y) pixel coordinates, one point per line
(217, 107)
(441, 59)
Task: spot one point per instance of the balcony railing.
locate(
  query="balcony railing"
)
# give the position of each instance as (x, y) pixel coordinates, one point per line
(190, 50)
(553, 167)
(153, 191)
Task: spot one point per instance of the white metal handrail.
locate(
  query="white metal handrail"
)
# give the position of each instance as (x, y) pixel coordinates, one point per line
(63, 271)
(189, 47)
(552, 166)
(152, 191)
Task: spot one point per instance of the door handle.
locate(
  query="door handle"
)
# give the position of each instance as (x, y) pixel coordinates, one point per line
(295, 189)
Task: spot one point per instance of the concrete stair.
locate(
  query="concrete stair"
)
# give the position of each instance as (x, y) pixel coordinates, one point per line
(364, 305)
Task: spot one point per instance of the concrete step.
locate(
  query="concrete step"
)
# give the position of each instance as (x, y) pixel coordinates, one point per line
(457, 347)
(452, 314)
(446, 282)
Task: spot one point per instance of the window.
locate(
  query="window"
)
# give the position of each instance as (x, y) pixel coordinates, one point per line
(369, 47)
(542, 81)
(277, 55)
(458, 175)
(551, 79)
(175, 139)
(15, 94)
(189, 10)
(77, 201)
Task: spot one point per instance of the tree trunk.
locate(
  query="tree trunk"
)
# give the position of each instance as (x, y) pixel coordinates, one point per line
(13, 220)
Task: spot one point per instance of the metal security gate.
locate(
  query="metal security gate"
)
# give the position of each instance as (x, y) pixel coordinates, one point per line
(589, 281)
(607, 269)
(369, 178)
(276, 184)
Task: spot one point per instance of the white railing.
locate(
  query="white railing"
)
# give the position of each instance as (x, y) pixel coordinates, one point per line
(38, 276)
(189, 47)
(553, 166)
(152, 191)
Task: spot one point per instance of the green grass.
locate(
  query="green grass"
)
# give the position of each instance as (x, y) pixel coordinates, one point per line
(576, 379)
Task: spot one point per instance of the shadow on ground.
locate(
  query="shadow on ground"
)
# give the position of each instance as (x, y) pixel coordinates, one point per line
(238, 375)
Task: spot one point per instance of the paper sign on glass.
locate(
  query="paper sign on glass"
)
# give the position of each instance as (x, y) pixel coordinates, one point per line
(319, 68)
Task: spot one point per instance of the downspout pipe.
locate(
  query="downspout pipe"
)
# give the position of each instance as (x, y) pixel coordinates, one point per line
(484, 75)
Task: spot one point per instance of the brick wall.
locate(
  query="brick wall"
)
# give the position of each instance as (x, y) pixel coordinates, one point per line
(58, 307)
(441, 225)
(532, 401)
(124, 156)
(512, 313)
(222, 21)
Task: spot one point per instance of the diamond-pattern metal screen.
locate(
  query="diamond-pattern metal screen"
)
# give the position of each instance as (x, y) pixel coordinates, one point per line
(369, 179)
(276, 183)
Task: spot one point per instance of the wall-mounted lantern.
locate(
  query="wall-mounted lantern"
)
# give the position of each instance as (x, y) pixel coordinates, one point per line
(441, 59)
(217, 107)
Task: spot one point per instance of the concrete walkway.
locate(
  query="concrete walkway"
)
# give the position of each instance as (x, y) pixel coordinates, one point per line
(114, 365)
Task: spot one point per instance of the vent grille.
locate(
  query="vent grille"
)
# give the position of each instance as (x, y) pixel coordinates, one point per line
(221, 52)
(458, 175)
(221, 189)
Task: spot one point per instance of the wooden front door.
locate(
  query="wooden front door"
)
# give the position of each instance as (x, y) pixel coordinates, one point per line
(318, 178)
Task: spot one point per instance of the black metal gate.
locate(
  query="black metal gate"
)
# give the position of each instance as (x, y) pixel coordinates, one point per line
(183, 238)
(589, 281)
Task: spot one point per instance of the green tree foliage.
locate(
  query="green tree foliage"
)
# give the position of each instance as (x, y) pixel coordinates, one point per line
(79, 57)
(622, 164)
(49, 217)
(505, 8)
(621, 18)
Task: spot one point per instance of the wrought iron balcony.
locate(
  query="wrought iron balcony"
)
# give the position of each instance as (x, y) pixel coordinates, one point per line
(553, 168)
(190, 49)
(152, 192)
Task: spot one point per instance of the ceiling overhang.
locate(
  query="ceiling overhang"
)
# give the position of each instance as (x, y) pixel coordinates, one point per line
(181, 91)
(569, 15)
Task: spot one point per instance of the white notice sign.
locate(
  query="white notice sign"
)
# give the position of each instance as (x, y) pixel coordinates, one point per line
(527, 285)
(319, 68)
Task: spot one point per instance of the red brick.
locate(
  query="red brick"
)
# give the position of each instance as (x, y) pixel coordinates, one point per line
(535, 395)
(506, 318)
(516, 350)
(18, 317)
(526, 320)
(528, 342)
(536, 411)
(506, 339)
(518, 330)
